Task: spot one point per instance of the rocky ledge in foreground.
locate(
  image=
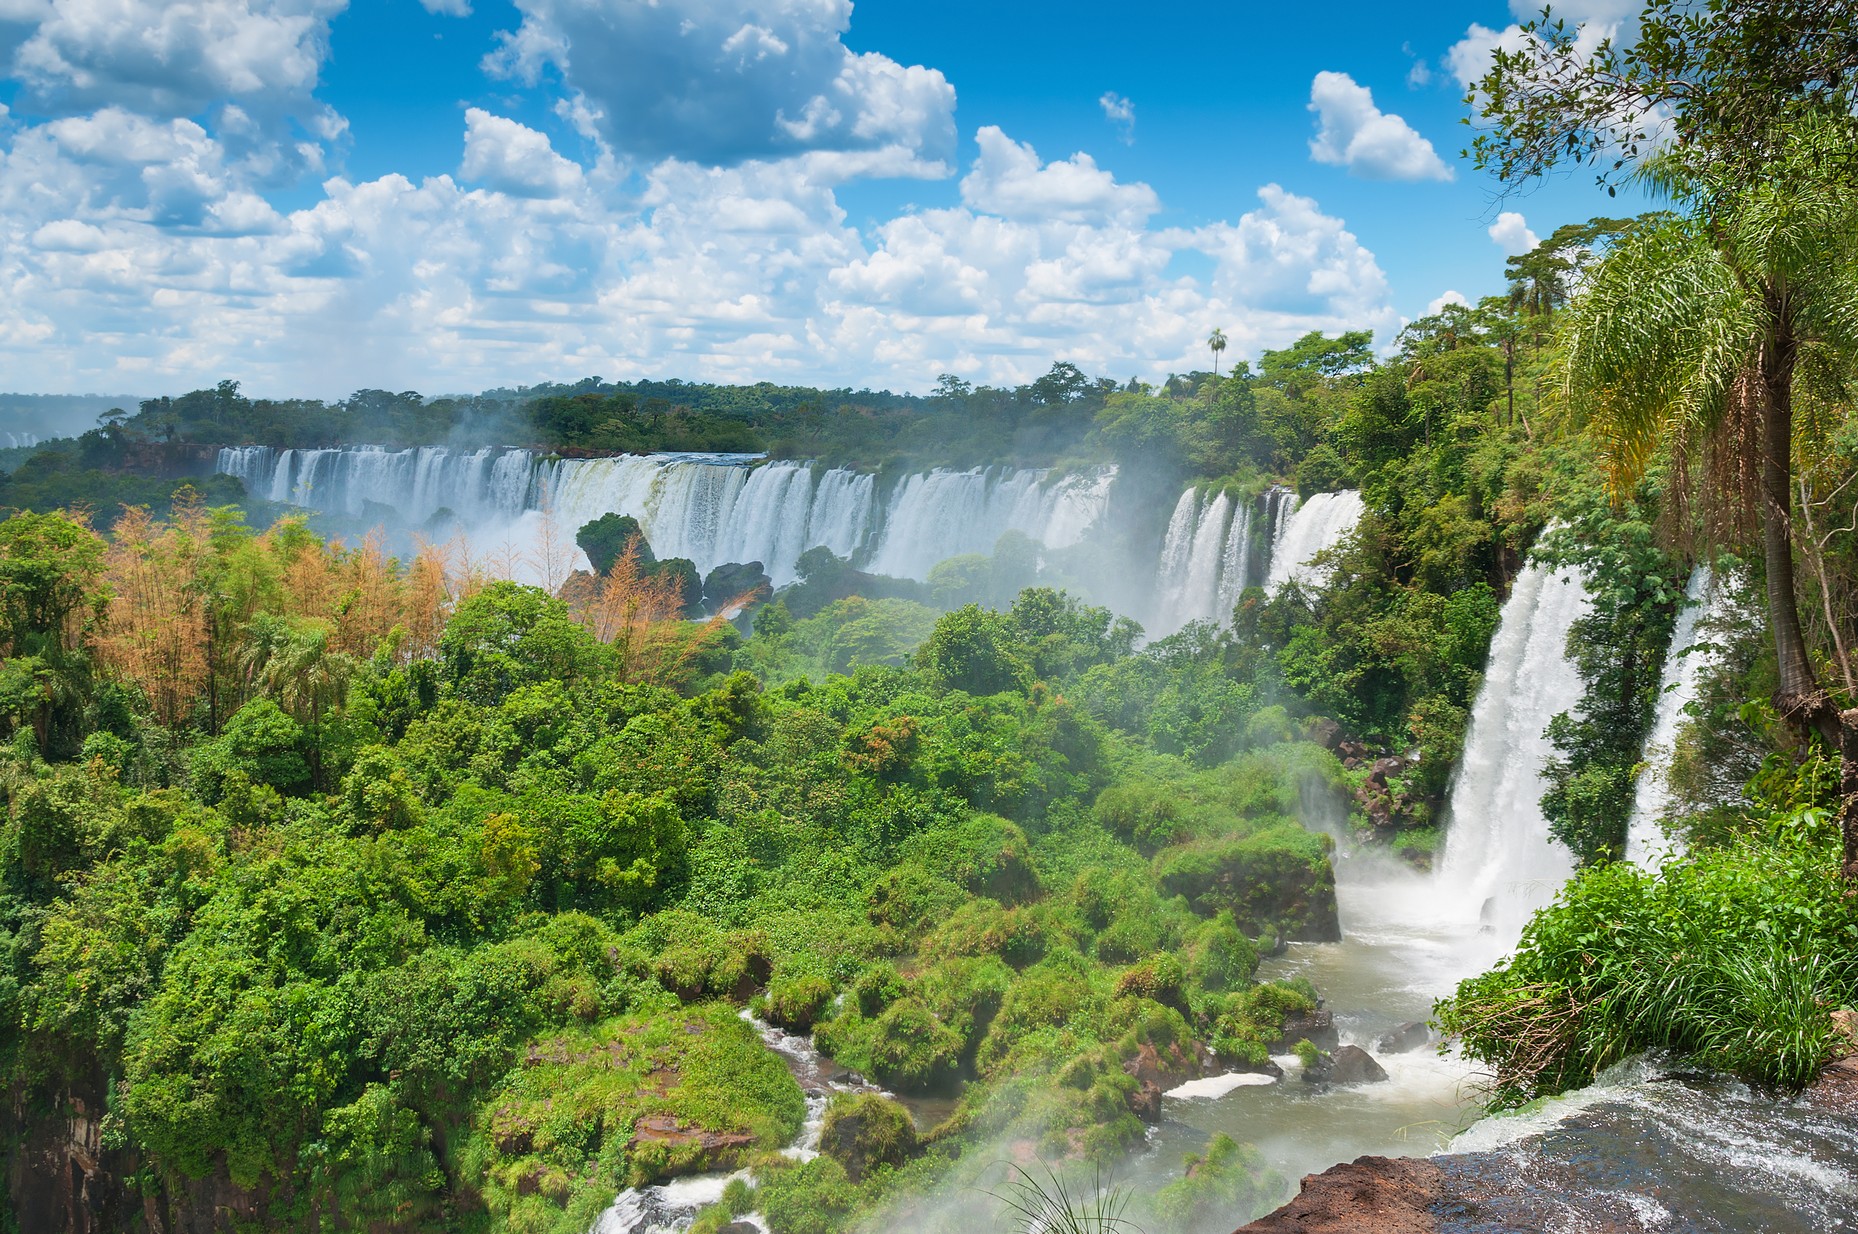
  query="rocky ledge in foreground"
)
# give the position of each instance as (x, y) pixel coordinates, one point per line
(1674, 1152)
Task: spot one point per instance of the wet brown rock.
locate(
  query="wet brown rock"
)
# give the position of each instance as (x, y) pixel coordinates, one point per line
(1372, 1195)
(717, 1147)
(1316, 1027)
(1416, 1035)
(1145, 1102)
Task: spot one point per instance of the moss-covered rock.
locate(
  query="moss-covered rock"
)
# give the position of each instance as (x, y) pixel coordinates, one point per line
(622, 1103)
(864, 1131)
(795, 1000)
(1228, 1182)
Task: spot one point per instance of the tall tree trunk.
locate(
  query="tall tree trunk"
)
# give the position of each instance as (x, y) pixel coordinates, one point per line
(1848, 795)
(1797, 695)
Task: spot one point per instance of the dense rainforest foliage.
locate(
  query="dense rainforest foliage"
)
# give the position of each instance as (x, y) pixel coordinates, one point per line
(424, 898)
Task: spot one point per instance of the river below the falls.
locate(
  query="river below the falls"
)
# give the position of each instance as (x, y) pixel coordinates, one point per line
(1398, 954)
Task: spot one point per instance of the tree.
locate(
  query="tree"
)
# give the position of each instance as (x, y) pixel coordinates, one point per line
(50, 602)
(1701, 336)
(974, 650)
(1721, 81)
(1216, 341)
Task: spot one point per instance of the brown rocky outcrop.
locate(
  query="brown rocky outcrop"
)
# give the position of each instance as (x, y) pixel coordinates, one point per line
(717, 1147)
(1316, 1027)
(1372, 1195)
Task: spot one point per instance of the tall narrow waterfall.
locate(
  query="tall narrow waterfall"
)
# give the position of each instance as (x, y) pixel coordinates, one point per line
(1684, 666)
(1316, 525)
(18, 441)
(1500, 863)
(709, 508)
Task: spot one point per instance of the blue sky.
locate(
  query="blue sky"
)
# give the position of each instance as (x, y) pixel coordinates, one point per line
(315, 196)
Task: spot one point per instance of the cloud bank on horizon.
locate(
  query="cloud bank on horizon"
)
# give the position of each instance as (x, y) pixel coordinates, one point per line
(173, 209)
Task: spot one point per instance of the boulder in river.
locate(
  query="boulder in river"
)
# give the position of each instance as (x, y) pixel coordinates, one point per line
(1414, 1035)
(1315, 1027)
(1353, 1065)
(1349, 1064)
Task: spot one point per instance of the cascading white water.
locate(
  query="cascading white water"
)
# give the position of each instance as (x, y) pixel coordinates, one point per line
(1684, 666)
(1205, 562)
(18, 441)
(709, 508)
(1500, 863)
(479, 486)
(940, 514)
(1235, 562)
(1316, 525)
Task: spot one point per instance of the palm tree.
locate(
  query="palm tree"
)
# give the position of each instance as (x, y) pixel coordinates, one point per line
(1721, 337)
(1216, 341)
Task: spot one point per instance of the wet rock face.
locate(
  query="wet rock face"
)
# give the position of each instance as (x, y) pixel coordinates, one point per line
(1676, 1152)
(1316, 1027)
(1350, 1064)
(1416, 1035)
(1374, 1195)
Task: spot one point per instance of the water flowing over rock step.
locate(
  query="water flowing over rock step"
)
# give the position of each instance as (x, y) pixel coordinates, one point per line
(1681, 1153)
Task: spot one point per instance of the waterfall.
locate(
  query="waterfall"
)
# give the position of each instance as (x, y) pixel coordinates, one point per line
(709, 508)
(1235, 562)
(18, 441)
(939, 514)
(488, 485)
(1500, 863)
(1205, 562)
(1684, 666)
(1308, 529)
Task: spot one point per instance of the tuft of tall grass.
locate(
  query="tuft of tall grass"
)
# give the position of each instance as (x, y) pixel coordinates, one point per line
(1048, 1205)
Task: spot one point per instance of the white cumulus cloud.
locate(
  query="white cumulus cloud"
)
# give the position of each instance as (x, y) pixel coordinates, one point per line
(1008, 179)
(513, 158)
(1353, 133)
(1511, 234)
(723, 81)
(136, 256)
(1445, 298)
(1597, 20)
